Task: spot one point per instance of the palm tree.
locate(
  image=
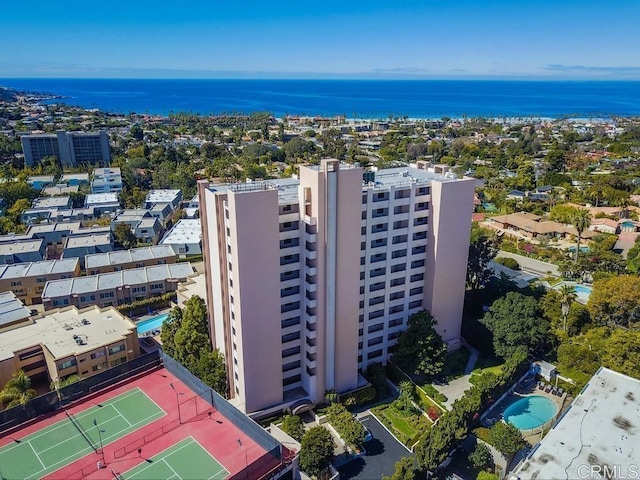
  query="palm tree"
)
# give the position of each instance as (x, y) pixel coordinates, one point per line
(581, 221)
(567, 297)
(17, 391)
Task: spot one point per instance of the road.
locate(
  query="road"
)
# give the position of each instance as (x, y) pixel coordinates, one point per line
(532, 266)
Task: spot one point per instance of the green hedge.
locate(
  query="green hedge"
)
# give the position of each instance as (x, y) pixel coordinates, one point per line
(508, 262)
(152, 302)
(350, 429)
(359, 397)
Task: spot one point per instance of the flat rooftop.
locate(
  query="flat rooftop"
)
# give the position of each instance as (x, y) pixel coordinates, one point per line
(88, 240)
(128, 256)
(109, 281)
(11, 309)
(43, 203)
(109, 171)
(101, 198)
(21, 247)
(75, 176)
(55, 330)
(38, 269)
(60, 190)
(601, 427)
(162, 196)
(186, 231)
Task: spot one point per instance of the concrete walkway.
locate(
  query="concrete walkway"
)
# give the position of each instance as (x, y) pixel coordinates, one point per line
(531, 265)
(455, 388)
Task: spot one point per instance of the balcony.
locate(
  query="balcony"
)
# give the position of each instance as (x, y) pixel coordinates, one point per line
(310, 271)
(311, 255)
(309, 303)
(311, 237)
(312, 287)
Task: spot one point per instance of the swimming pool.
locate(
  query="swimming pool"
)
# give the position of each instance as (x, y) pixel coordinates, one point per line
(583, 292)
(530, 412)
(154, 323)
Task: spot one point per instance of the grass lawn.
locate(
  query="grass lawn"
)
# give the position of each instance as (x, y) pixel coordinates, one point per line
(406, 428)
(491, 365)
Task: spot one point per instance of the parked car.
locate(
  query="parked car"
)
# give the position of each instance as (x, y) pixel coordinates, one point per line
(368, 436)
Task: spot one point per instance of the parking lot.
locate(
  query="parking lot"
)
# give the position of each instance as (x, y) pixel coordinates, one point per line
(382, 454)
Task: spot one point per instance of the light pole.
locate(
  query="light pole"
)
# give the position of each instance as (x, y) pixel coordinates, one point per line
(246, 464)
(100, 432)
(177, 401)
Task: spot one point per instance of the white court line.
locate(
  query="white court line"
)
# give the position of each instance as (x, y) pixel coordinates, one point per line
(176, 473)
(36, 454)
(224, 469)
(118, 412)
(159, 454)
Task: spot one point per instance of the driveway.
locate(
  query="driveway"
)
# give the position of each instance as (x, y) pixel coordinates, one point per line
(382, 454)
(532, 265)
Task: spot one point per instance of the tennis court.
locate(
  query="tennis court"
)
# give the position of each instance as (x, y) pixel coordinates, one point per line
(186, 459)
(64, 442)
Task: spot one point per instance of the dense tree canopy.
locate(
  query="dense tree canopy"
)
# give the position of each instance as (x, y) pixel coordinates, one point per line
(17, 391)
(316, 450)
(420, 348)
(515, 321)
(483, 247)
(405, 470)
(615, 300)
(506, 438)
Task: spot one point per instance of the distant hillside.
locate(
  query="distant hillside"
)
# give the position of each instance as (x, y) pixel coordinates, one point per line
(8, 94)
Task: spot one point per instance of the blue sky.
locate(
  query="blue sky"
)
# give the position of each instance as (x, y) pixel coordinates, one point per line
(562, 39)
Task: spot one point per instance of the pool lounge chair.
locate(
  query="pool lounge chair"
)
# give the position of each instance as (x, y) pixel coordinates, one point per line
(548, 388)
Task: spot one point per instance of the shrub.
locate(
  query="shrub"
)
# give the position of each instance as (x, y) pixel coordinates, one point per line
(433, 393)
(292, 425)
(316, 450)
(508, 262)
(433, 413)
(351, 430)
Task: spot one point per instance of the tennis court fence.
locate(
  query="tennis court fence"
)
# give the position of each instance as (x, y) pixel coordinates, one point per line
(57, 399)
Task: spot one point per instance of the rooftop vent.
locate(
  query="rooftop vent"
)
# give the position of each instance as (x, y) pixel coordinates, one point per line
(67, 327)
(86, 322)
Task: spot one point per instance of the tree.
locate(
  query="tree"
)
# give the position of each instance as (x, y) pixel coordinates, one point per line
(486, 476)
(615, 300)
(17, 391)
(405, 470)
(420, 348)
(316, 450)
(350, 429)
(293, 426)
(483, 247)
(506, 438)
(515, 321)
(124, 236)
(15, 211)
(622, 352)
(567, 297)
(136, 132)
(581, 221)
(481, 456)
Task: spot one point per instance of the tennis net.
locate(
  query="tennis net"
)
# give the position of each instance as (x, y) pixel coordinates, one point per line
(81, 430)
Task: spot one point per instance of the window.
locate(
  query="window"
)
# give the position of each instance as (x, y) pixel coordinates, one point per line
(415, 291)
(118, 348)
(94, 272)
(404, 193)
(399, 239)
(139, 265)
(137, 290)
(291, 380)
(400, 224)
(87, 298)
(290, 275)
(375, 354)
(289, 337)
(422, 191)
(99, 367)
(396, 309)
(363, 260)
(289, 322)
(420, 221)
(288, 259)
(363, 230)
(97, 354)
(290, 351)
(377, 272)
(291, 366)
(376, 314)
(287, 307)
(289, 226)
(364, 198)
(375, 328)
(415, 304)
(41, 280)
(378, 257)
(380, 242)
(118, 361)
(30, 354)
(16, 283)
(361, 290)
(417, 277)
(374, 341)
(376, 286)
(379, 227)
(363, 245)
(106, 295)
(381, 196)
(380, 212)
(361, 275)
(156, 286)
(418, 250)
(417, 264)
(400, 267)
(67, 364)
(396, 296)
(287, 292)
(420, 235)
(397, 281)
(364, 215)
(289, 242)
(61, 302)
(399, 253)
(401, 209)
(421, 206)
(376, 300)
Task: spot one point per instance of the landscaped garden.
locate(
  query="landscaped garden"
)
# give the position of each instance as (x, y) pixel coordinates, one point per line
(406, 426)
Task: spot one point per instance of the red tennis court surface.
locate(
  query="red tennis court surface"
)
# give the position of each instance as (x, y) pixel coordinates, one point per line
(194, 418)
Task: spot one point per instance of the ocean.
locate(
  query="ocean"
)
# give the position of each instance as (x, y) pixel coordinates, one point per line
(352, 98)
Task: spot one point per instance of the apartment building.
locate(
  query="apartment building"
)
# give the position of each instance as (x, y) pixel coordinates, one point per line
(115, 288)
(185, 238)
(310, 280)
(106, 180)
(68, 341)
(81, 246)
(145, 227)
(27, 280)
(12, 311)
(21, 251)
(126, 259)
(71, 148)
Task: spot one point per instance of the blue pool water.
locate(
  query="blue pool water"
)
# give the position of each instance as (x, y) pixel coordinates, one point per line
(151, 323)
(530, 412)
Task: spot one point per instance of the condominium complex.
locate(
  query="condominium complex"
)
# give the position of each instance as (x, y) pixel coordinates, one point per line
(68, 341)
(71, 148)
(27, 280)
(310, 280)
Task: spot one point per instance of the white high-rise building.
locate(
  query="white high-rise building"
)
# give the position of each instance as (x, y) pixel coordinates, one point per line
(310, 280)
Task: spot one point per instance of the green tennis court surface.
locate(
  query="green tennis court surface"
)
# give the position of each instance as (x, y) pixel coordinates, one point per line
(62, 443)
(186, 459)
